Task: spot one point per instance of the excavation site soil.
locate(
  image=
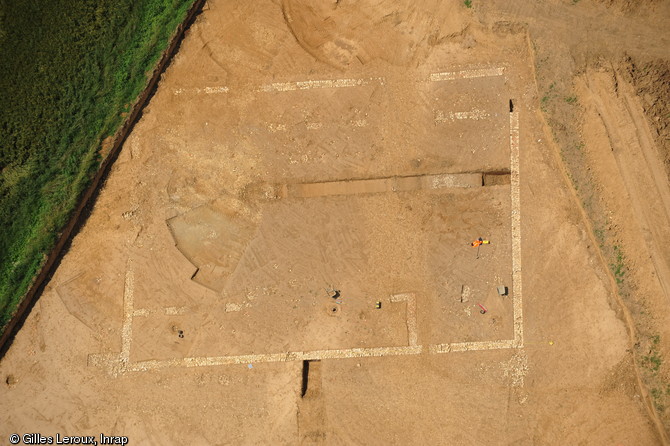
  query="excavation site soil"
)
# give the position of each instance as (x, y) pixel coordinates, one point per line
(283, 252)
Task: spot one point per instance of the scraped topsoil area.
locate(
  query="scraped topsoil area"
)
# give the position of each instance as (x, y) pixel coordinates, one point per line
(288, 251)
(652, 85)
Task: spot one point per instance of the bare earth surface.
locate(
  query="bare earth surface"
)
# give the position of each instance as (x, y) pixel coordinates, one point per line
(294, 148)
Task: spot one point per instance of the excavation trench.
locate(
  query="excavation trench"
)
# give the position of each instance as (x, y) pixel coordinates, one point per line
(311, 387)
(395, 184)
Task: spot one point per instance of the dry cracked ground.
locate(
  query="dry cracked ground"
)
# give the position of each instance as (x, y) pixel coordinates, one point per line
(282, 252)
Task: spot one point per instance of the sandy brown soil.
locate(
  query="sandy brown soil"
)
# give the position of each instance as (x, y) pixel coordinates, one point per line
(652, 86)
(612, 139)
(361, 146)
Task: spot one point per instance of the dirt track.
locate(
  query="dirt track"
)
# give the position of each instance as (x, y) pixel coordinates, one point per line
(280, 158)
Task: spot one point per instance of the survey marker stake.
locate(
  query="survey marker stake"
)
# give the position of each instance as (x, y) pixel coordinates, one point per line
(483, 309)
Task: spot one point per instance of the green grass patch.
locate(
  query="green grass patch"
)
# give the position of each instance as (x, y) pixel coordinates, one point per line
(69, 70)
(547, 97)
(600, 236)
(618, 267)
(652, 361)
(544, 102)
(467, 3)
(657, 396)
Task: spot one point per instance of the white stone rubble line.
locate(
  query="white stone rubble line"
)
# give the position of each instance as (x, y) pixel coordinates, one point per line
(205, 90)
(169, 311)
(325, 83)
(343, 83)
(467, 74)
(211, 361)
(279, 127)
(474, 115)
(127, 328)
(142, 366)
(288, 86)
(410, 299)
(517, 301)
(471, 346)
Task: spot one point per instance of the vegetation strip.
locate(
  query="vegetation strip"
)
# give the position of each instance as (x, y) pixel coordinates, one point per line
(571, 156)
(89, 195)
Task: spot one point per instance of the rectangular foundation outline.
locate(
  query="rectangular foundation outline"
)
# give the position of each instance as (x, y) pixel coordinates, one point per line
(118, 364)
